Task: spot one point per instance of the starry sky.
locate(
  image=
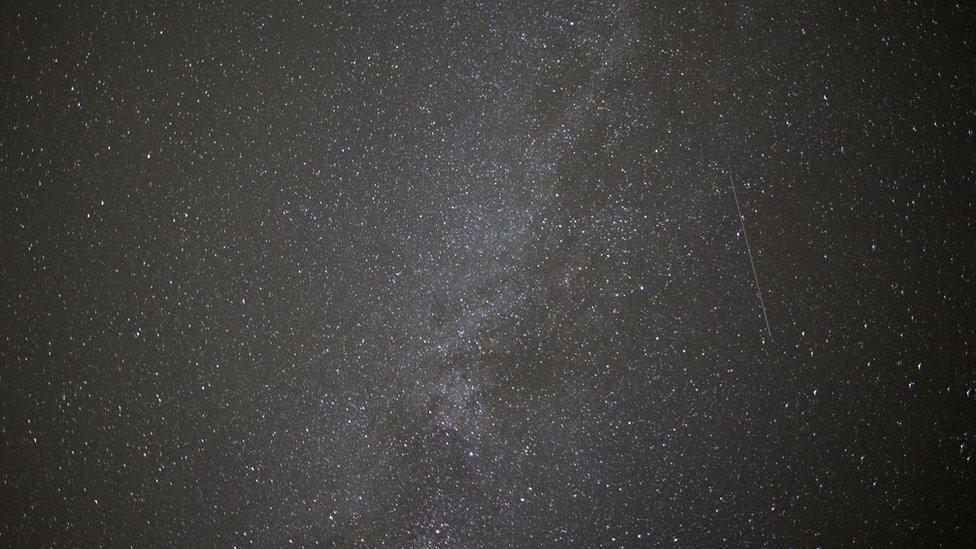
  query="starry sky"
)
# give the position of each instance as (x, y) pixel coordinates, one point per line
(440, 274)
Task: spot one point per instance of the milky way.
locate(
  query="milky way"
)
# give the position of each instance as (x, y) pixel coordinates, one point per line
(473, 274)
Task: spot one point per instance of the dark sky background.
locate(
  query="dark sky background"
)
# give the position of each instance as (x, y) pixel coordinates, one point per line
(471, 274)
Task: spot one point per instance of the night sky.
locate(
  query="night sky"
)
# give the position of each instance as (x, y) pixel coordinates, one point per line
(441, 274)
